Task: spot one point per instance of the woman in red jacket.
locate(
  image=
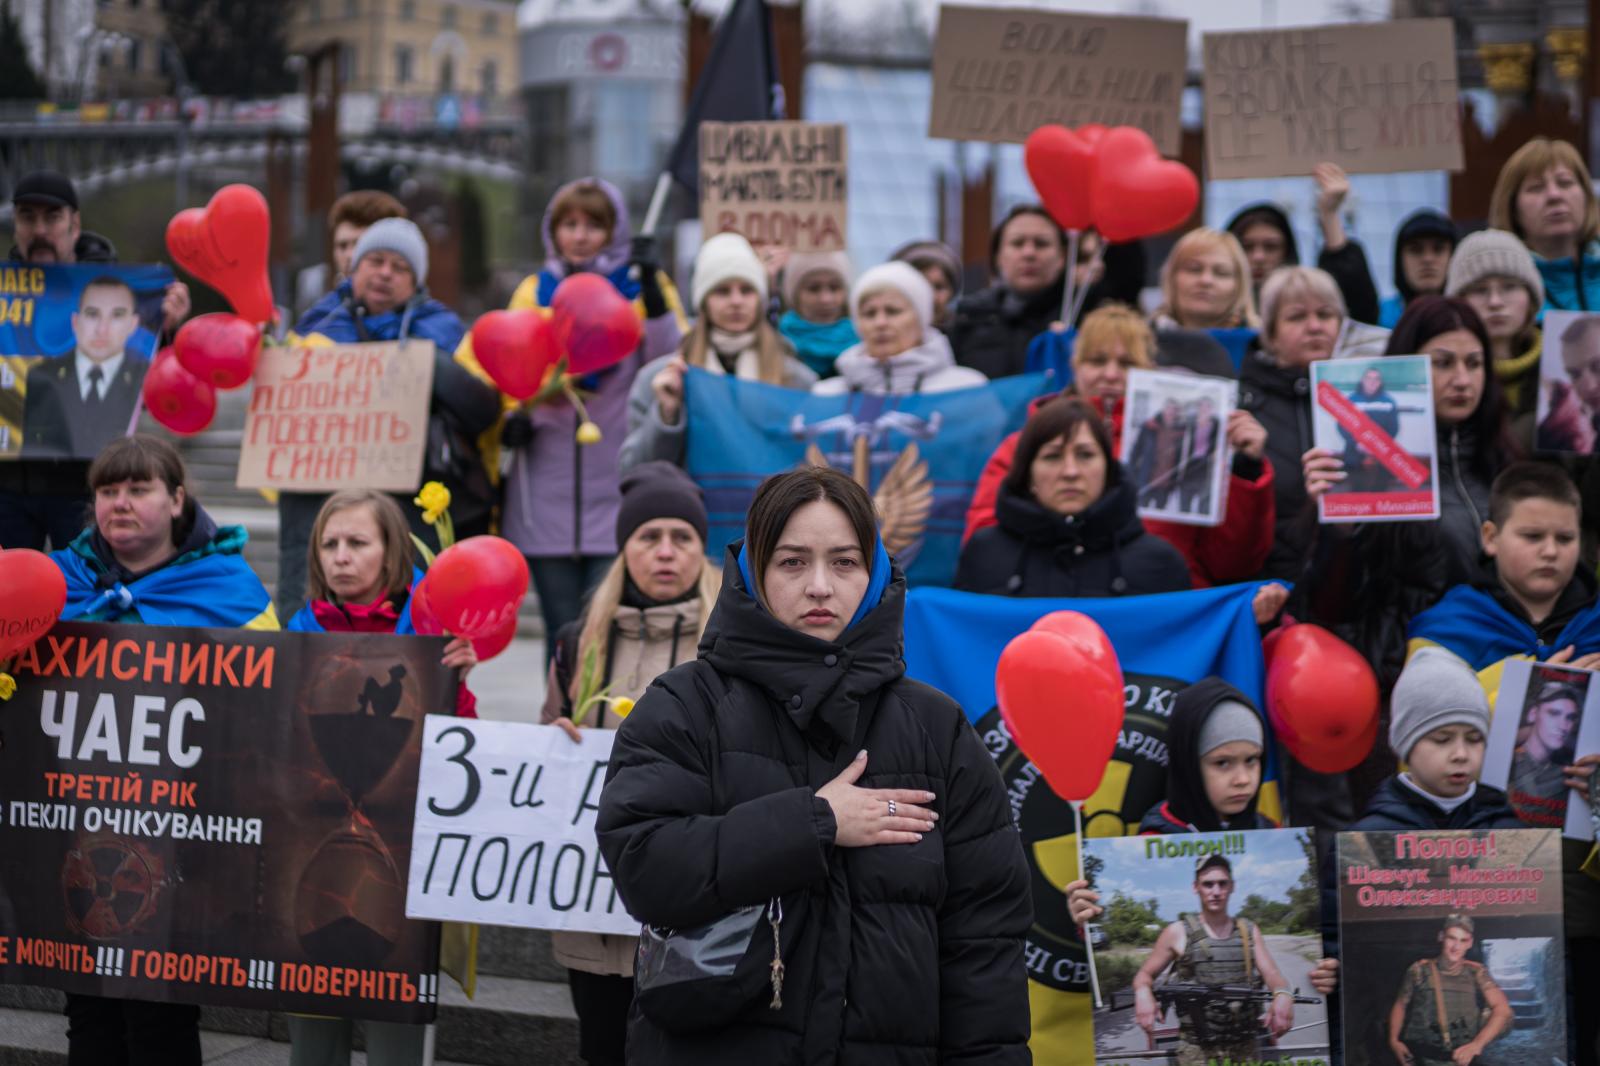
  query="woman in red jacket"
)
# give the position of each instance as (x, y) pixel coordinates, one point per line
(1112, 341)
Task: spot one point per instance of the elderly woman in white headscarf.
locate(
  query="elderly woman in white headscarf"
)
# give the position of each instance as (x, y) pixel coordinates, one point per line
(900, 351)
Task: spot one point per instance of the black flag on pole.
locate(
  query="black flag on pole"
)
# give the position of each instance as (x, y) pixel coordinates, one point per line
(739, 84)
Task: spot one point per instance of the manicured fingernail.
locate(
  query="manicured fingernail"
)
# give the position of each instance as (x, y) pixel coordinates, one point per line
(862, 754)
(928, 796)
(917, 835)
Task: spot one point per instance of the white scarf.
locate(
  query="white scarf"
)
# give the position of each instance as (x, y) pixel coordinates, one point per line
(742, 346)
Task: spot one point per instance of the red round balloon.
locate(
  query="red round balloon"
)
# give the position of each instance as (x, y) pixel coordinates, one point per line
(225, 245)
(1063, 709)
(1061, 163)
(486, 648)
(423, 617)
(176, 398)
(1322, 698)
(1135, 193)
(596, 326)
(219, 349)
(515, 348)
(476, 586)
(35, 593)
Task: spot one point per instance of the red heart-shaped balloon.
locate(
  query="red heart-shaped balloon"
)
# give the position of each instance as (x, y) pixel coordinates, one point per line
(1091, 132)
(219, 349)
(35, 593)
(225, 244)
(515, 348)
(596, 326)
(1135, 193)
(1070, 742)
(1061, 164)
(1088, 640)
(176, 398)
(476, 586)
(1322, 699)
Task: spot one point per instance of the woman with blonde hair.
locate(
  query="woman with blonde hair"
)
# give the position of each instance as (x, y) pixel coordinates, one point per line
(1205, 284)
(1545, 197)
(644, 617)
(731, 335)
(1112, 341)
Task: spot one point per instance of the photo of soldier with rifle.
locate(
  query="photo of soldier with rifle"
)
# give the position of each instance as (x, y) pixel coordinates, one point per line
(1224, 984)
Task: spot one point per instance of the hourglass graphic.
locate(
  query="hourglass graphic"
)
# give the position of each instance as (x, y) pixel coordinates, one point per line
(350, 900)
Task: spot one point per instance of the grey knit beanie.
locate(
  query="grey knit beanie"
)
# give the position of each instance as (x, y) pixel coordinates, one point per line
(1435, 689)
(1229, 721)
(1493, 253)
(400, 236)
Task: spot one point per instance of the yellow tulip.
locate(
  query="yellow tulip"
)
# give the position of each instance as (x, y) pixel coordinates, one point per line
(621, 706)
(8, 687)
(588, 433)
(434, 499)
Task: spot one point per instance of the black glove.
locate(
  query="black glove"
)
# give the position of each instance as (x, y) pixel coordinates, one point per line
(516, 431)
(644, 257)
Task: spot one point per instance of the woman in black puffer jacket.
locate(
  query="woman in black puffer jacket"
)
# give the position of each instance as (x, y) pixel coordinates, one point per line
(1067, 519)
(794, 761)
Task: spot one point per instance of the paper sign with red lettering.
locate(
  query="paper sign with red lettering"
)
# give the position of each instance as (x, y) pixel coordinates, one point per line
(1376, 416)
(343, 416)
(780, 183)
(218, 816)
(1373, 98)
(1452, 946)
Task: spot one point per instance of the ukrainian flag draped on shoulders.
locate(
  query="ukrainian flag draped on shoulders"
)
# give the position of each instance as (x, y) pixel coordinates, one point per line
(953, 641)
(208, 583)
(1480, 625)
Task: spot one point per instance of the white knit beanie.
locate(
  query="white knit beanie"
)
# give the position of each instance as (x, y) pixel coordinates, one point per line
(904, 279)
(723, 258)
(1493, 253)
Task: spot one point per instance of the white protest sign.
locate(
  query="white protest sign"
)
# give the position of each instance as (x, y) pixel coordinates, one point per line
(505, 828)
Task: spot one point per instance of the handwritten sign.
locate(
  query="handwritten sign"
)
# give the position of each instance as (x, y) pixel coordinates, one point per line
(344, 416)
(505, 828)
(1001, 73)
(1371, 98)
(782, 183)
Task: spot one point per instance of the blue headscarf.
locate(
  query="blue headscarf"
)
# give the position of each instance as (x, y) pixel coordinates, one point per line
(877, 582)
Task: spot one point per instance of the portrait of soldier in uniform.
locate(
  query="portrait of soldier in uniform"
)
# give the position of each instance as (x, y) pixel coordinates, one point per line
(1448, 1008)
(1224, 953)
(1537, 787)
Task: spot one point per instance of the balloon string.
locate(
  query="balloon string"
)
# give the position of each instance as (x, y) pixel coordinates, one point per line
(1069, 282)
(1095, 260)
(1088, 941)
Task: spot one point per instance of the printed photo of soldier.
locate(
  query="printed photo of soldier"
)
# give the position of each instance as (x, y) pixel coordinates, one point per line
(1448, 1008)
(1528, 753)
(1205, 949)
(1175, 446)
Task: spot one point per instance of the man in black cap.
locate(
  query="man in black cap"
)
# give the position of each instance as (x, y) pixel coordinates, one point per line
(45, 499)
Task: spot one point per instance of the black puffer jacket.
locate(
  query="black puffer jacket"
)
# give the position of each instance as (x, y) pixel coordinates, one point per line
(1280, 398)
(990, 329)
(1104, 551)
(904, 954)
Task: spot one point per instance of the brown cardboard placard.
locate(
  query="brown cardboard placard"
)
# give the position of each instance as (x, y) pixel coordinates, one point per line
(342, 416)
(1000, 73)
(782, 183)
(1373, 98)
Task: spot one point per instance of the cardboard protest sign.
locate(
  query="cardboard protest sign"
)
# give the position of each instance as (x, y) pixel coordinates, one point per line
(1373, 98)
(1199, 931)
(1569, 384)
(75, 342)
(218, 816)
(1376, 415)
(1175, 448)
(1546, 717)
(783, 183)
(1000, 73)
(1451, 939)
(341, 416)
(505, 829)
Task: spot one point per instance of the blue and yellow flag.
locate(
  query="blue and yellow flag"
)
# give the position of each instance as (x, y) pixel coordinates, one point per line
(953, 642)
(920, 455)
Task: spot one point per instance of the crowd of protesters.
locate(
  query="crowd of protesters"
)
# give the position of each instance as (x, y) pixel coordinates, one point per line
(615, 535)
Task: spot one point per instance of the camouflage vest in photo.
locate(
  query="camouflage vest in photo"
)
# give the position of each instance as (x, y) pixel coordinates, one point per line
(1446, 1009)
(1230, 960)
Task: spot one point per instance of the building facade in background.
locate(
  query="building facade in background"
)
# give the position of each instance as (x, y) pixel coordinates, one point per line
(414, 47)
